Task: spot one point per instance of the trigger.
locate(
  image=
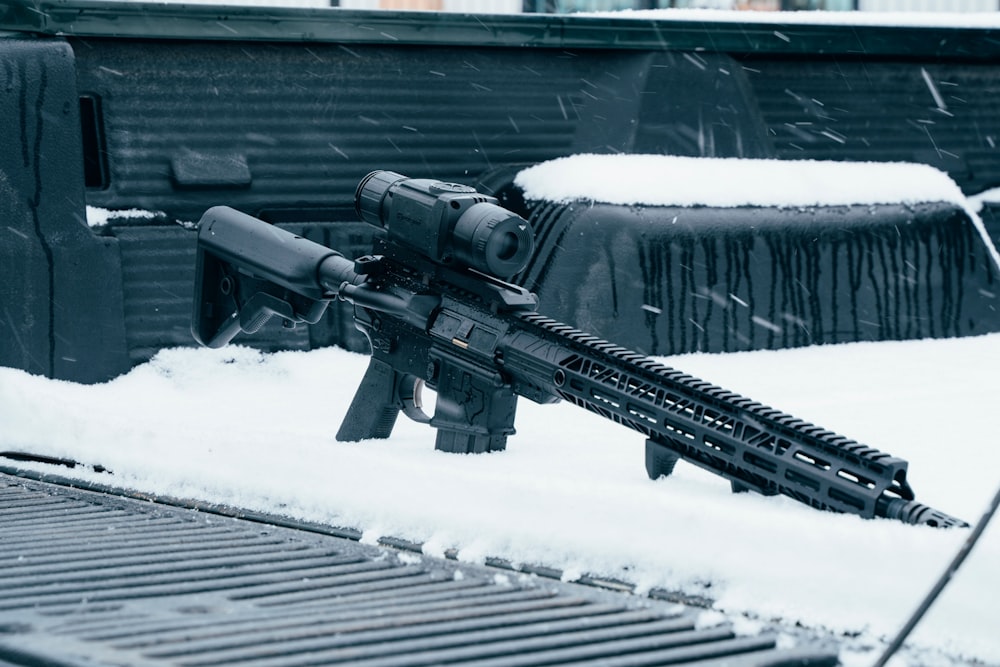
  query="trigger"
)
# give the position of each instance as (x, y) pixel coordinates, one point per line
(410, 388)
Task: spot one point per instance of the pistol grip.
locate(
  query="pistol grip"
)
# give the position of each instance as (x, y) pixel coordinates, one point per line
(376, 405)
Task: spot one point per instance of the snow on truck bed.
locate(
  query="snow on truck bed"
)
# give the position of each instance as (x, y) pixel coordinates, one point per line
(666, 180)
(254, 430)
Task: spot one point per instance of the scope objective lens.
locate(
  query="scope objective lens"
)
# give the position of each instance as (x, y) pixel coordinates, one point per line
(371, 193)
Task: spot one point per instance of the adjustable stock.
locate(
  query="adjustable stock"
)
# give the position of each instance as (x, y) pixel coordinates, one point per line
(215, 319)
(247, 271)
(228, 302)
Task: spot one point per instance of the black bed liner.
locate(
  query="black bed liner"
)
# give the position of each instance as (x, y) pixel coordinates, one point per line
(280, 112)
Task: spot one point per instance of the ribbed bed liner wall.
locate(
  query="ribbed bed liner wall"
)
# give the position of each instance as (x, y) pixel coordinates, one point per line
(125, 118)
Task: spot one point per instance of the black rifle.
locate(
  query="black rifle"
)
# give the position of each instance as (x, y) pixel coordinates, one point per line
(433, 301)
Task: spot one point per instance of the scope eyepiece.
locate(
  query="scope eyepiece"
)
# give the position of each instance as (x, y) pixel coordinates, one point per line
(446, 222)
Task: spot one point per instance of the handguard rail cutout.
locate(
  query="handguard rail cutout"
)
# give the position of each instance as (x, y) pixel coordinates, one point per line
(433, 301)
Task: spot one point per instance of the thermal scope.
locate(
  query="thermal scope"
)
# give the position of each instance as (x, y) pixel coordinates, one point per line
(448, 223)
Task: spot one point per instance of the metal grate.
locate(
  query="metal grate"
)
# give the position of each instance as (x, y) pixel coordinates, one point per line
(87, 578)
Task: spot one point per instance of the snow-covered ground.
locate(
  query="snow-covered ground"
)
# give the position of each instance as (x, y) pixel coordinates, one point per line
(253, 430)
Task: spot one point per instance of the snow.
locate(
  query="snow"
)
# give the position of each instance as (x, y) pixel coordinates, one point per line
(99, 217)
(666, 180)
(991, 196)
(253, 430)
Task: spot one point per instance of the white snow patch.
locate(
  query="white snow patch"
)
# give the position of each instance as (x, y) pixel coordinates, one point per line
(665, 180)
(99, 217)
(979, 200)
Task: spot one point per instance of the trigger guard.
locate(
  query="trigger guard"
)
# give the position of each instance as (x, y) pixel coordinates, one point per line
(411, 400)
